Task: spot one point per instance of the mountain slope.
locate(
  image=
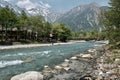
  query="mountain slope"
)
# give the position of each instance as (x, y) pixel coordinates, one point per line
(40, 9)
(82, 17)
(79, 18)
(5, 3)
(53, 16)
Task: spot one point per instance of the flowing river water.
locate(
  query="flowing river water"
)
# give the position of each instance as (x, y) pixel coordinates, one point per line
(16, 61)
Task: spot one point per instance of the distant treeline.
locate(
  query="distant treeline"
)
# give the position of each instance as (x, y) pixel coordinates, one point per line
(20, 27)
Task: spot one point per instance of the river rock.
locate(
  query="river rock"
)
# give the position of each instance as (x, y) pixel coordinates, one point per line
(28, 60)
(86, 77)
(30, 75)
(64, 65)
(66, 60)
(67, 68)
(87, 56)
(117, 60)
(58, 67)
(74, 58)
(47, 69)
(91, 50)
(47, 72)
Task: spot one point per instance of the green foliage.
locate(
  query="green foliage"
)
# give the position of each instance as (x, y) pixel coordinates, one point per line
(7, 19)
(31, 28)
(112, 21)
(39, 25)
(22, 20)
(93, 34)
(35, 22)
(61, 32)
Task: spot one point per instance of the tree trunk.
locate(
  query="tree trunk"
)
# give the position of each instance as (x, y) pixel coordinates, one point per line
(2, 34)
(5, 33)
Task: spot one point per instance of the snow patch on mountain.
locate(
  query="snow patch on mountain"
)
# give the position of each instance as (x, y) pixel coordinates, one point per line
(30, 7)
(27, 4)
(35, 8)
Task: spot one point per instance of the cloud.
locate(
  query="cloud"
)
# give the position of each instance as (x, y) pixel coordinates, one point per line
(11, 0)
(7, 0)
(26, 4)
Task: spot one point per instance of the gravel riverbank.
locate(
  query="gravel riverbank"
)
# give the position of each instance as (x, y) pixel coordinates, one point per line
(76, 68)
(89, 65)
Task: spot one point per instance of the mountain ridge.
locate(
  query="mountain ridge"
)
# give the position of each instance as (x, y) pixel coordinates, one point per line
(42, 10)
(85, 17)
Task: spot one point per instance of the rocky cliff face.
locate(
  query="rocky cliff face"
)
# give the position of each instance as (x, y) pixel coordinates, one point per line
(84, 17)
(53, 16)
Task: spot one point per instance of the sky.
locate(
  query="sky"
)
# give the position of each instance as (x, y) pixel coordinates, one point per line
(56, 5)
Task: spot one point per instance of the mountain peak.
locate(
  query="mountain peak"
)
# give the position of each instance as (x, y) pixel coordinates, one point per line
(94, 4)
(83, 17)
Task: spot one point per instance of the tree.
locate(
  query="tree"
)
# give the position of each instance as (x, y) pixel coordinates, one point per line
(22, 20)
(66, 34)
(47, 30)
(112, 21)
(61, 32)
(36, 24)
(7, 20)
(22, 25)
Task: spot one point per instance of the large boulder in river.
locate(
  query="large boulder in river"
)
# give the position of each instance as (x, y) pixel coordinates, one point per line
(30, 75)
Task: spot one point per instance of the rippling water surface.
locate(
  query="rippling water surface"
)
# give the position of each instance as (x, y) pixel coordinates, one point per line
(16, 61)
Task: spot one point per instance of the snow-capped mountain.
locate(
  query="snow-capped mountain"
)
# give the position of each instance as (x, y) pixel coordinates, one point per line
(53, 16)
(39, 8)
(85, 17)
(15, 7)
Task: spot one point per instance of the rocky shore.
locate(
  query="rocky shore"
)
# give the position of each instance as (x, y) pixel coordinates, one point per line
(79, 67)
(94, 64)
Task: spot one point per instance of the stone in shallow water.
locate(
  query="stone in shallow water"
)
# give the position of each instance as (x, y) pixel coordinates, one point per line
(47, 72)
(30, 75)
(87, 56)
(66, 60)
(73, 58)
(64, 65)
(58, 67)
(28, 60)
(91, 50)
(47, 69)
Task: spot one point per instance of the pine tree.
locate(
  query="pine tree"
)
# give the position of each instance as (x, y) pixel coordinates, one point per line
(7, 20)
(113, 14)
(22, 20)
(112, 21)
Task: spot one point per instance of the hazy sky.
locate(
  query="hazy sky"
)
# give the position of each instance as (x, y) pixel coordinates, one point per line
(56, 5)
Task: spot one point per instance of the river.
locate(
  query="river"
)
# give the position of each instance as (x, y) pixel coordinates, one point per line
(16, 61)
